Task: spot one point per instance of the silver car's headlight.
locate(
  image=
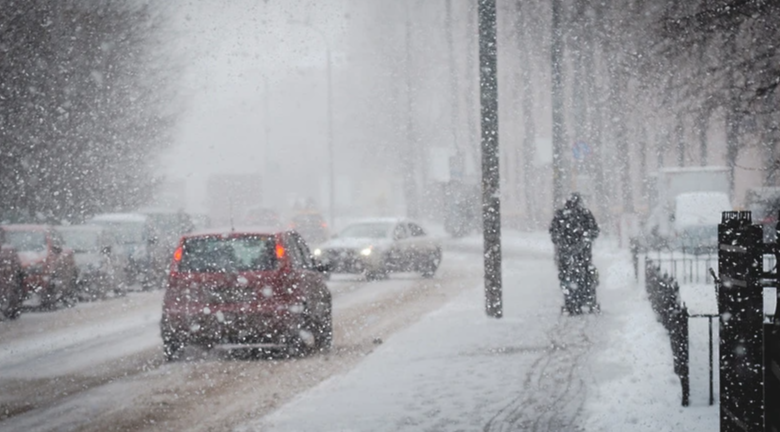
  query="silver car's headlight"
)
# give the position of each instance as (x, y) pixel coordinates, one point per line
(367, 251)
(317, 252)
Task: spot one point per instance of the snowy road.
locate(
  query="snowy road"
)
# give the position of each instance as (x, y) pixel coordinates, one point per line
(99, 366)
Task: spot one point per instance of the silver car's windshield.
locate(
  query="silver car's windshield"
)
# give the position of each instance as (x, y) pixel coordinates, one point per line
(367, 230)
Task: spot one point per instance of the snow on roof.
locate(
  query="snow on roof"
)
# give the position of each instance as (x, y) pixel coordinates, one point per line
(119, 217)
(700, 208)
(157, 210)
(377, 220)
(85, 227)
(694, 169)
(25, 227)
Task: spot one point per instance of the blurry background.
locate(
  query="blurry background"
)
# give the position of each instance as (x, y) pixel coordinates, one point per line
(147, 102)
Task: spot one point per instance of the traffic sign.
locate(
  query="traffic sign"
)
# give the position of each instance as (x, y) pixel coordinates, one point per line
(580, 150)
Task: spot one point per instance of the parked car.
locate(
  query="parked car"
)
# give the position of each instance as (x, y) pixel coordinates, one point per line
(311, 225)
(49, 267)
(99, 259)
(696, 219)
(164, 228)
(376, 247)
(248, 288)
(11, 281)
(130, 231)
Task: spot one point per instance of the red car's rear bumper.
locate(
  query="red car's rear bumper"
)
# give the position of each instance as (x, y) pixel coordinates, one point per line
(230, 324)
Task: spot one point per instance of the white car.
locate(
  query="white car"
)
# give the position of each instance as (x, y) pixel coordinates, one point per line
(376, 247)
(101, 264)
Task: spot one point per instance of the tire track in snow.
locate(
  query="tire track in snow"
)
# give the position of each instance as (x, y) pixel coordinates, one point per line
(554, 390)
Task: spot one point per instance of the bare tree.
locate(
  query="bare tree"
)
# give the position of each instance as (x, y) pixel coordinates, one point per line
(84, 107)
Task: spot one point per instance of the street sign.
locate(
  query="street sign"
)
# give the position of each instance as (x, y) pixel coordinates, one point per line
(580, 150)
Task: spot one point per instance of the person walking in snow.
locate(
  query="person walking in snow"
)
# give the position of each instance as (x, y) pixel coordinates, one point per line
(573, 230)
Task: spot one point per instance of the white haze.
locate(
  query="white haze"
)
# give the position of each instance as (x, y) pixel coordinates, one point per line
(228, 47)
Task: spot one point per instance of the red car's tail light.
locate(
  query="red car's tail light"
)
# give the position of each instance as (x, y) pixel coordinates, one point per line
(279, 251)
(177, 255)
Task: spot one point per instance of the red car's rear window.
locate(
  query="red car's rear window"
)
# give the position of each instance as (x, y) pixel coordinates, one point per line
(228, 254)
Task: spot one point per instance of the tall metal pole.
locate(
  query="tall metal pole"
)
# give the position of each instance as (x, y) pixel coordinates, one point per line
(454, 86)
(557, 105)
(409, 158)
(491, 203)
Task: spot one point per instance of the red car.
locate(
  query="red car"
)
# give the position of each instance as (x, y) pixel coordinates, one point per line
(11, 278)
(245, 288)
(48, 267)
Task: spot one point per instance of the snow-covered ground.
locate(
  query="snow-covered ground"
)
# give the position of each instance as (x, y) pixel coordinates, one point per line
(534, 369)
(410, 354)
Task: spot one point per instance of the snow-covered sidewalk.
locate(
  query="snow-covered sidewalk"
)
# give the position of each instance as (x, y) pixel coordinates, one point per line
(535, 369)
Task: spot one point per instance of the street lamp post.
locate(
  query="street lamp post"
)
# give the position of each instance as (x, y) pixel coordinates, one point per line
(331, 161)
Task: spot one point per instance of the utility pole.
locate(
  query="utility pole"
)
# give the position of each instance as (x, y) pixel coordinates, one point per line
(491, 202)
(679, 135)
(454, 86)
(409, 155)
(524, 45)
(557, 105)
(592, 43)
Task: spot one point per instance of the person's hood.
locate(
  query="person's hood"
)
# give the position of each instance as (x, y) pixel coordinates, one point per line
(354, 243)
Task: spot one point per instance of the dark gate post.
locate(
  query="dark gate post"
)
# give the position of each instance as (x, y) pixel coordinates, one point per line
(740, 304)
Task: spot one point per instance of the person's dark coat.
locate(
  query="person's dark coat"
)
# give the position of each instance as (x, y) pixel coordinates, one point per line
(573, 229)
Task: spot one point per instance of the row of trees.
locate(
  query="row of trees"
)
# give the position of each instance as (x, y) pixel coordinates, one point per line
(84, 103)
(663, 78)
(645, 85)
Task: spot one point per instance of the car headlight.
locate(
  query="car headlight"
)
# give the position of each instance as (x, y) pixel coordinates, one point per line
(296, 308)
(317, 252)
(366, 252)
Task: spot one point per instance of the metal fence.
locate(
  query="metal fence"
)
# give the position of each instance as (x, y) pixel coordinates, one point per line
(685, 267)
(664, 294)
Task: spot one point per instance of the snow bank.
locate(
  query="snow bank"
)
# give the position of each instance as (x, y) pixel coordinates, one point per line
(636, 388)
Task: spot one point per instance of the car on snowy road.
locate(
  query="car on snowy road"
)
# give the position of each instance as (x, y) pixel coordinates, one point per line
(49, 268)
(311, 225)
(131, 234)
(245, 287)
(376, 247)
(100, 263)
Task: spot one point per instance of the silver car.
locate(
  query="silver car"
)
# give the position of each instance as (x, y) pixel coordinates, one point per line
(377, 247)
(101, 265)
